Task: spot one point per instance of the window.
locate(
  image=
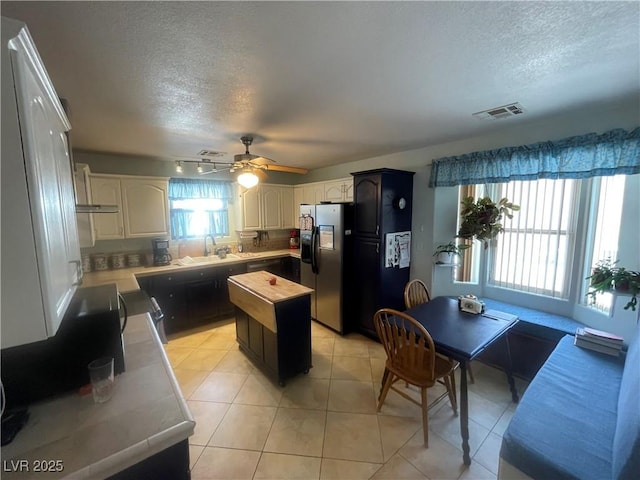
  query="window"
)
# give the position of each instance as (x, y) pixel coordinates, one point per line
(197, 217)
(199, 207)
(608, 196)
(535, 251)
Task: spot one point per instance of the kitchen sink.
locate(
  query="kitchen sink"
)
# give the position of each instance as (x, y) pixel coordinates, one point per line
(204, 260)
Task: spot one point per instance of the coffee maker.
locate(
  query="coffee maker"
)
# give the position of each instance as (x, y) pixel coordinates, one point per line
(161, 254)
(294, 238)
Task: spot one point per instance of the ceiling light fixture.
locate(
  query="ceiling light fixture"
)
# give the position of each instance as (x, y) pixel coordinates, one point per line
(200, 169)
(179, 167)
(247, 179)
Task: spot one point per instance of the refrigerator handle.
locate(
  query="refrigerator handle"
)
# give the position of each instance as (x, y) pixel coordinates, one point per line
(314, 258)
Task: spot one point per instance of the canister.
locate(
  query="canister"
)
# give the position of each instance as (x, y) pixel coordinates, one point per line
(100, 262)
(86, 263)
(134, 259)
(118, 260)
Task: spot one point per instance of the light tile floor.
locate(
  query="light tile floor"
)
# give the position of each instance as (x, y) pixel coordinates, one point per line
(324, 425)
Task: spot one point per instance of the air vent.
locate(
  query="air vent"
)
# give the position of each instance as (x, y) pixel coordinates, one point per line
(504, 111)
(210, 153)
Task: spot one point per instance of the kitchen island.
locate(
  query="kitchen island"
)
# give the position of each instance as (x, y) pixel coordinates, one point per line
(141, 432)
(273, 323)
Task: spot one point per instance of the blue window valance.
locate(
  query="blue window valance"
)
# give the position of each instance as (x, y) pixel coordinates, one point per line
(183, 188)
(616, 152)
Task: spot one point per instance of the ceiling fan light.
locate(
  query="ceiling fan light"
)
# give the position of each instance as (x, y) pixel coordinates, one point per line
(179, 167)
(200, 169)
(247, 179)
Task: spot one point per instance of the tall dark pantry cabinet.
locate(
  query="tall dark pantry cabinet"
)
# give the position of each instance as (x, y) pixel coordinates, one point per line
(383, 204)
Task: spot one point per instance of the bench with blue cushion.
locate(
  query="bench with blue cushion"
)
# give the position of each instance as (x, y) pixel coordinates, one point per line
(535, 322)
(531, 340)
(578, 419)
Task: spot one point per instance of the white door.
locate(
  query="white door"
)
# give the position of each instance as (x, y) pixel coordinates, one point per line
(106, 191)
(50, 192)
(145, 207)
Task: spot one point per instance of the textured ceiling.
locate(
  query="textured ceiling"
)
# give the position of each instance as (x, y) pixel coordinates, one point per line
(321, 83)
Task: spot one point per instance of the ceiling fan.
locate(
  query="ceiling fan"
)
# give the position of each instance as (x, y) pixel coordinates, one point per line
(251, 168)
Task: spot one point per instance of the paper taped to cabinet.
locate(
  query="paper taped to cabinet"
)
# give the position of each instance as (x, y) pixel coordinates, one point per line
(398, 250)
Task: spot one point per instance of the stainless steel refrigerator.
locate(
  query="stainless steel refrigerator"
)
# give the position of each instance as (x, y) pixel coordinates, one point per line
(325, 254)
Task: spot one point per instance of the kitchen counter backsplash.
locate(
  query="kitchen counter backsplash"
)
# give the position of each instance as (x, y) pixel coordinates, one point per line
(117, 254)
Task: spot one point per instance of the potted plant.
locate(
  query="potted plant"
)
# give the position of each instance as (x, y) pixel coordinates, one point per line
(449, 253)
(481, 219)
(606, 277)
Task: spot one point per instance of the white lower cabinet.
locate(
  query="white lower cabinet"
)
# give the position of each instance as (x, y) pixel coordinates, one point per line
(41, 266)
(143, 206)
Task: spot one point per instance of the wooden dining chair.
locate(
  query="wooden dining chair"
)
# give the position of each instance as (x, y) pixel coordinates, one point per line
(415, 293)
(411, 357)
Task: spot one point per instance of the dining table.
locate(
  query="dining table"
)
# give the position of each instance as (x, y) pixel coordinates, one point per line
(463, 336)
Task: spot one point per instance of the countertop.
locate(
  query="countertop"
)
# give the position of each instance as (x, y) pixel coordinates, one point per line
(258, 283)
(125, 278)
(146, 414)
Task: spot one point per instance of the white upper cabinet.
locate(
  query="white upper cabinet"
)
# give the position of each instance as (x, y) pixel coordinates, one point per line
(347, 185)
(105, 190)
(268, 207)
(86, 230)
(41, 266)
(271, 206)
(313, 193)
(339, 190)
(143, 206)
(289, 212)
(251, 209)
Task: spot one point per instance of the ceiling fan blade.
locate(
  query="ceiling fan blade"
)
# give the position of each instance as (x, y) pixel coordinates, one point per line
(262, 161)
(283, 168)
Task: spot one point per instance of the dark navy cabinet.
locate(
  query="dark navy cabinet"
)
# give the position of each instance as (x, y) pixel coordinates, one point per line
(383, 205)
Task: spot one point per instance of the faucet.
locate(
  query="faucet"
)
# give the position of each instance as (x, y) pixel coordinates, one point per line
(213, 243)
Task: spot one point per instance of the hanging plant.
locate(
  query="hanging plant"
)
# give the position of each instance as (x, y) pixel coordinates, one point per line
(482, 219)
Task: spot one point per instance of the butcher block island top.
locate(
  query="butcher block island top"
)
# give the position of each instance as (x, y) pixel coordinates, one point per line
(273, 323)
(258, 283)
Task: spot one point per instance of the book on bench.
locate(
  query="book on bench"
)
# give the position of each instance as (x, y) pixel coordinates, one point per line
(596, 347)
(592, 332)
(599, 341)
(598, 336)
